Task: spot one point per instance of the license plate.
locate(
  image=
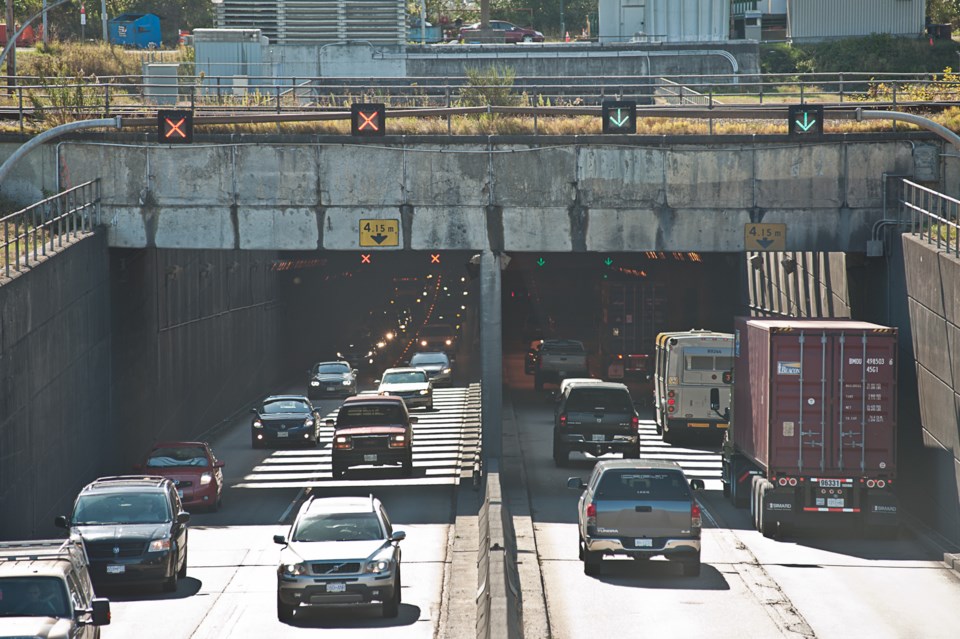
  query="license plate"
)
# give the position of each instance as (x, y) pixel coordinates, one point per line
(331, 388)
(598, 438)
(116, 570)
(283, 434)
(834, 503)
(830, 483)
(643, 543)
(180, 492)
(336, 587)
(370, 458)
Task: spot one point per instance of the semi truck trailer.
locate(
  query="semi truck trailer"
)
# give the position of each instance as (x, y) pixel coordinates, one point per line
(812, 436)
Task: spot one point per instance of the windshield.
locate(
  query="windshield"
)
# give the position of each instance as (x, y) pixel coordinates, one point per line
(332, 369)
(339, 527)
(436, 331)
(408, 377)
(284, 406)
(33, 597)
(629, 485)
(428, 360)
(178, 456)
(121, 508)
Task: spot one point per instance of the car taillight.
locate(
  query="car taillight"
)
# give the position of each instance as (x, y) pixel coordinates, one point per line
(591, 515)
(563, 420)
(635, 423)
(342, 442)
(695, 515)
(398, 441)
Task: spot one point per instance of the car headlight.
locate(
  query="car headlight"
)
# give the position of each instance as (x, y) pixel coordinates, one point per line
(378, 566)
(308, 422)
(294, 570)
(314, 382)
(206, 478)
(158, 545)
(423, 342)
(446, 371)
(448, 342)
(257, 423)
(347, 382)
(425, 391)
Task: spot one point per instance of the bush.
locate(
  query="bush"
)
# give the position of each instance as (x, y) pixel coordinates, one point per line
(877, 53)
(73, 59)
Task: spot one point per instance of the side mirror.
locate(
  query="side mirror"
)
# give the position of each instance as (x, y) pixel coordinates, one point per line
(376, 381)
(280, 539)
(575, 483)
(100, 612)
(414, 419)
(254, 411)
(218, 464)
(60, 522)
(329, 422)
(356, 371)
(183, 517)
(398, 535)
(696, 484)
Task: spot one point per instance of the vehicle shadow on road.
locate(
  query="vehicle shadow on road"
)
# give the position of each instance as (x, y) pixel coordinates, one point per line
(354, 617)
(659, 575)
(186, 587)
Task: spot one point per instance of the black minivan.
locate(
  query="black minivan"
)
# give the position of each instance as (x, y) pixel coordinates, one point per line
(595, 418)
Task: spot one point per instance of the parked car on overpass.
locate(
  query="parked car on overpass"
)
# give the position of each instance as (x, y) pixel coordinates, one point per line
(511, 33)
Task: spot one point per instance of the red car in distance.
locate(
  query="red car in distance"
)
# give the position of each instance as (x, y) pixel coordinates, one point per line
(511, 33)
(192, 467)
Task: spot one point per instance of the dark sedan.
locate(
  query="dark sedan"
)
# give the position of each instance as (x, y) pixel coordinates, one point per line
(332, 379)
(285, 419)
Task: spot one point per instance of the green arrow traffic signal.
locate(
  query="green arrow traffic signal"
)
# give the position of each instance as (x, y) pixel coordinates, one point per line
(608, 262)
(541, 262)
(619, 116)
(805, 119)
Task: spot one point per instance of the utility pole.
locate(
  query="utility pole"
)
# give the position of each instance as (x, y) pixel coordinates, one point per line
(12, 55)
(103, 19)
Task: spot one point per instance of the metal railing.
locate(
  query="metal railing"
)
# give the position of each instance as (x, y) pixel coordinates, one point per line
(933, 216)
(42, 228)
(69, 99)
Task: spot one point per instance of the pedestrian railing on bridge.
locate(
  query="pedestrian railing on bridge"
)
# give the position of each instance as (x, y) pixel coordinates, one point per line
(43, 228)
(932, 216)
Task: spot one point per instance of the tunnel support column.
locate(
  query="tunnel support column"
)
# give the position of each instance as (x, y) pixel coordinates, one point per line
(491, 357)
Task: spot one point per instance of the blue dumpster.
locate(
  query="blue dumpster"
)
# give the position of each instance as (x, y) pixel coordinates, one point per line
(140, 30)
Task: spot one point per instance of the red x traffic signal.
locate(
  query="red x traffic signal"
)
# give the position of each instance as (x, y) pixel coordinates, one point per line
(367, 119)
(174, 126)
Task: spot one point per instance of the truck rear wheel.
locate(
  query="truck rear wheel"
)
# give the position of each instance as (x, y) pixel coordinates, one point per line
(560, 454)
(768, 529)
(537, 382)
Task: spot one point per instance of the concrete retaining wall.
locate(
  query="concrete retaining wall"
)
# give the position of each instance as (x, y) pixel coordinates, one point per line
(585, 194)
(933, 295)
(55, 379)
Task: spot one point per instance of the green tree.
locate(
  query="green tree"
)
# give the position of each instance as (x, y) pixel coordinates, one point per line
(944, 11)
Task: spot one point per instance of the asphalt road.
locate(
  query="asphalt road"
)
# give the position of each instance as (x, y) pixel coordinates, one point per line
(230, 589)
(826, 585)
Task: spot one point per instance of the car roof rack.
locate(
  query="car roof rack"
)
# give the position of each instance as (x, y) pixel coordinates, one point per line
(128, 479)
(41, 549)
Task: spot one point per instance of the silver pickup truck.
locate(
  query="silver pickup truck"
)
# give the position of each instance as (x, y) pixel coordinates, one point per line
(559, 359)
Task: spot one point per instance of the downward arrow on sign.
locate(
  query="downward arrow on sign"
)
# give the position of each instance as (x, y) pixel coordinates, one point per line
(620, 120)
(378, 238)
(806, 122)
(764, 243)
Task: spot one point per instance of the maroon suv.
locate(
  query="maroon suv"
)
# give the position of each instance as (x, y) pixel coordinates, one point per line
(372, 430)
(511, 33)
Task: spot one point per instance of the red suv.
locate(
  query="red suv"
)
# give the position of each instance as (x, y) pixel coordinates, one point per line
(372, 430)
(511, 32)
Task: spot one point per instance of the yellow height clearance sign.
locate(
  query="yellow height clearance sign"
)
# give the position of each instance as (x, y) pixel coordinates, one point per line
(379, 232)
(765, 237)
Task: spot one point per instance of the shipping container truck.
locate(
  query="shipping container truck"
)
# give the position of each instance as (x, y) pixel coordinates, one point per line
(632, 313)
(812, 437)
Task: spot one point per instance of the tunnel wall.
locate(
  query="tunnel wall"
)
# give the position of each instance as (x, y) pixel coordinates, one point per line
(55, 371)
(932, 280)
(801, 284)
(104, 352)
(196, 334)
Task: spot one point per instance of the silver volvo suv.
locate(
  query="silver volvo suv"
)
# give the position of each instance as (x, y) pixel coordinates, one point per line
(640, 508)
(340, 550)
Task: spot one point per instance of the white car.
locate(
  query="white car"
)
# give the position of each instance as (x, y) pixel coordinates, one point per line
(411, 384)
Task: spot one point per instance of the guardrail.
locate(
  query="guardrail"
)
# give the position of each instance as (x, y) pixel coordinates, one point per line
(934, 216)
(34, 98)
(42, 228)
